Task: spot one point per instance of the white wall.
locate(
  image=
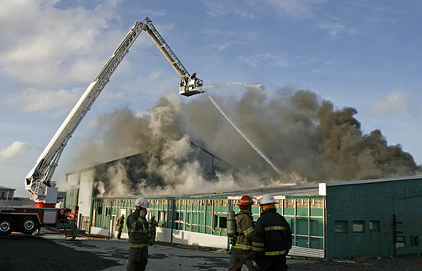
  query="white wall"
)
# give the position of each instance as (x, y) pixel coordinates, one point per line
(85, 192)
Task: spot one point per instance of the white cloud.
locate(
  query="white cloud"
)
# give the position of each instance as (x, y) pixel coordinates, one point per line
(297, 10)
(13, 152)
(58, 102)
(395, 102)
(333, 29)
(42, 45)
(277, 59)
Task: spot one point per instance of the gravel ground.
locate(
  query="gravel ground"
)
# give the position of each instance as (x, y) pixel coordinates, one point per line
(398, 263)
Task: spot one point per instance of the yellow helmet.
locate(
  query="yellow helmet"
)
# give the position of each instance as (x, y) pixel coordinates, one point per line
(153, 216)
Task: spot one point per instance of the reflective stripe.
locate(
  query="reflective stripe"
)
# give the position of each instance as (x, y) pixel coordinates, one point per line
(275, 228)
(138, 245)
(257, 249)
(275, 253)
(250, 230)
(244, 247)
(256, 244)
(140, 231)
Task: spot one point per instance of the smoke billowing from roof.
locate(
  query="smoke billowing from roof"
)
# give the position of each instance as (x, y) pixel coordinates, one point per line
(305, 137)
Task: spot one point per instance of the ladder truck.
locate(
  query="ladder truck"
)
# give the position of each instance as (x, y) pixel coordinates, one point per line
(38, 182)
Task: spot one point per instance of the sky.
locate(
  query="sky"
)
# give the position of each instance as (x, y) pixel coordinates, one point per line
(360, 54)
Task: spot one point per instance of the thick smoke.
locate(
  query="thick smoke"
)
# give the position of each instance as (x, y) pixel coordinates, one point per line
(305, 137)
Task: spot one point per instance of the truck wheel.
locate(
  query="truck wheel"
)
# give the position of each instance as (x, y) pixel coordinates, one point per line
(6, 226)
(28, 224)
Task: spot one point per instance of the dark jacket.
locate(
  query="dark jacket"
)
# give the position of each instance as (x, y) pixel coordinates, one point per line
(138, 231)
(272, 236)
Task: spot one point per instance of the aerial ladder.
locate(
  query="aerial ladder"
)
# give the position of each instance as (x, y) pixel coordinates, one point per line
(38, 181)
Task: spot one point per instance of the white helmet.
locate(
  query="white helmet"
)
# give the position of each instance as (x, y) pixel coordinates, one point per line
(142, 202)
(267, 199)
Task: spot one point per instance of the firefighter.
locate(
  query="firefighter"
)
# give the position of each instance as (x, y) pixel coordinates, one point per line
(139, 237)
(272, 238)
(242, 249)
(153, 227)
(120, 222)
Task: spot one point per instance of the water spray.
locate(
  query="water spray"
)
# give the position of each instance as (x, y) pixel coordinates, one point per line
(247, 140)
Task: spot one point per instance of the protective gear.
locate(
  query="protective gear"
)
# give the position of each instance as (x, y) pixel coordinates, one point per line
(242, 242)
(152, 225)
(139, 239)
(142, 202)
(271, 241)
(245, 201)
(120, 222)
(267, 199)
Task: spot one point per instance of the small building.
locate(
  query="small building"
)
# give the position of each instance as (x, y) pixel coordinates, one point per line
(328, 220)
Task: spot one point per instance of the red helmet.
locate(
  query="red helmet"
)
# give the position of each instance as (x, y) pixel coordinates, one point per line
(245, 201)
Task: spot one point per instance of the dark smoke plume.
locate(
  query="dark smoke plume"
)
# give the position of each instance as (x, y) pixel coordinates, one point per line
(305, 137)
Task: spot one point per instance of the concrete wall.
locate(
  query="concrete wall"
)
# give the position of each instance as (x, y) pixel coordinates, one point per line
(360, 217)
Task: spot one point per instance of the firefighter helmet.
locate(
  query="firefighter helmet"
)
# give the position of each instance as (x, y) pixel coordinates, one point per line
(153, 216)
(142, 202)
(245, 201)
(267, 199)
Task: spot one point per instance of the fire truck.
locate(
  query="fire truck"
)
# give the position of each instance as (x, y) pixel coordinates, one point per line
(38, 182)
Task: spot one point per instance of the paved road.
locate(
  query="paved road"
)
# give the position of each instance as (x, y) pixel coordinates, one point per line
(53, 251)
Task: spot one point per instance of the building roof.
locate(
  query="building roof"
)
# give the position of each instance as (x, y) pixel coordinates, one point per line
(287, 190)
(414, 177)
(6, 188)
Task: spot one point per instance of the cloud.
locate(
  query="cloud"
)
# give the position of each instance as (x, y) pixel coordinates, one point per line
(44, 101)
(276, 59)
(13, 152)
(42, 45)
(297, 10)
(333, 29)
(396, 102)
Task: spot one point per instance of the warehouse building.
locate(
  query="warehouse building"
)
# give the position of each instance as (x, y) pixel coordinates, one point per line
(328, 220)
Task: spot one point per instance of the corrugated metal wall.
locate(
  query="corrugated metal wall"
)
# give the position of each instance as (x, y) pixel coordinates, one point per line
(361, 217)
(208, 215)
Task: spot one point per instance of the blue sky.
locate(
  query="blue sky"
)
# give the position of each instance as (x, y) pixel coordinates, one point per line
(361, 54)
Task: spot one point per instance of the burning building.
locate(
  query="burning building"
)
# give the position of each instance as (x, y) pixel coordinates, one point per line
(300, 148)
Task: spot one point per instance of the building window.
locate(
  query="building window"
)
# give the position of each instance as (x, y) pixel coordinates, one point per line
(108, 211)
(162, 216)
(374, 226)
(400, 241)
(414, 240)
(223, 222)
(100, 210)
(358, 226)
(341, 226)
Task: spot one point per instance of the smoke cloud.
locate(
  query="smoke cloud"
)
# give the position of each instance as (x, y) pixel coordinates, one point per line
(304, 136)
